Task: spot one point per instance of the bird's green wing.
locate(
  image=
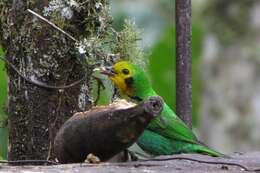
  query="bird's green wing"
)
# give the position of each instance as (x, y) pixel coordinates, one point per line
(172, 127)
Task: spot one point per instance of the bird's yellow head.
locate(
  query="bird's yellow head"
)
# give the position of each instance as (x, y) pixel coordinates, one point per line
(130, 79)
(121, 74)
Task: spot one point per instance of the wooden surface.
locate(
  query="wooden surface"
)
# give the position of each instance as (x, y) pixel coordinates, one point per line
(250, 160)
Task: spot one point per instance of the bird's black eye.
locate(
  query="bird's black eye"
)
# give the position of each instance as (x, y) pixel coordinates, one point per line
(125, 71)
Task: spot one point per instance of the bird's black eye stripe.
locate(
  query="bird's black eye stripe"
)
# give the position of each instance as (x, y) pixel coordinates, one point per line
(136, 98)
(125, 71)
(129, 81)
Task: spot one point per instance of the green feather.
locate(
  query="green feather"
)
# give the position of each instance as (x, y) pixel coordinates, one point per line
(171, 126)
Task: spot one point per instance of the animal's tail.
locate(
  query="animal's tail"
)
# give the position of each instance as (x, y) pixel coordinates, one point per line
(184, 147)
(158, 145)
(206, 150)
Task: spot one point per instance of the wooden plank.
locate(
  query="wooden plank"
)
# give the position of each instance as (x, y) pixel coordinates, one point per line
(250, 160)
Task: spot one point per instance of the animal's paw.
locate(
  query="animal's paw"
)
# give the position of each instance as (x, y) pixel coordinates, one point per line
(91, 158)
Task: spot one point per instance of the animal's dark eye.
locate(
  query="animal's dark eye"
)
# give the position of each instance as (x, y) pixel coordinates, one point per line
(125, 71)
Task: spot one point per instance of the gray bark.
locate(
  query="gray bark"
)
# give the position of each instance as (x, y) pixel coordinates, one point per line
(183, 61)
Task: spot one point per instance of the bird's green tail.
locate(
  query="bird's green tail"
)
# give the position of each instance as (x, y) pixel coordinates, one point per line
(184, 147)
(158, 145)
(205, 150)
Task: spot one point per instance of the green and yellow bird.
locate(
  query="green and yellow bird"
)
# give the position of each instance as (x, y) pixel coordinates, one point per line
(165, 135)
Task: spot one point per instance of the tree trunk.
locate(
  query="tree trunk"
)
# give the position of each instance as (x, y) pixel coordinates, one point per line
(41, 53)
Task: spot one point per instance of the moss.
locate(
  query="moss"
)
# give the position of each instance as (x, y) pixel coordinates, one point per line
(126, 44)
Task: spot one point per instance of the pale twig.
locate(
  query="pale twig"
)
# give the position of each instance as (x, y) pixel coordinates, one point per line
(53, 25)
(23, 162)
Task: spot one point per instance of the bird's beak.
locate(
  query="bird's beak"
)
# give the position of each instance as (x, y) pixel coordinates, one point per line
(109, 71)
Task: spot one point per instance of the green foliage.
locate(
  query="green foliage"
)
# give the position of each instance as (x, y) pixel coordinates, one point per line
(104, 96)
(162, 64)
(3, 116)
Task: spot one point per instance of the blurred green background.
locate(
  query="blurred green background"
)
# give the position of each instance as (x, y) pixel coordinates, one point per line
(225, 66)
(3, 116)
